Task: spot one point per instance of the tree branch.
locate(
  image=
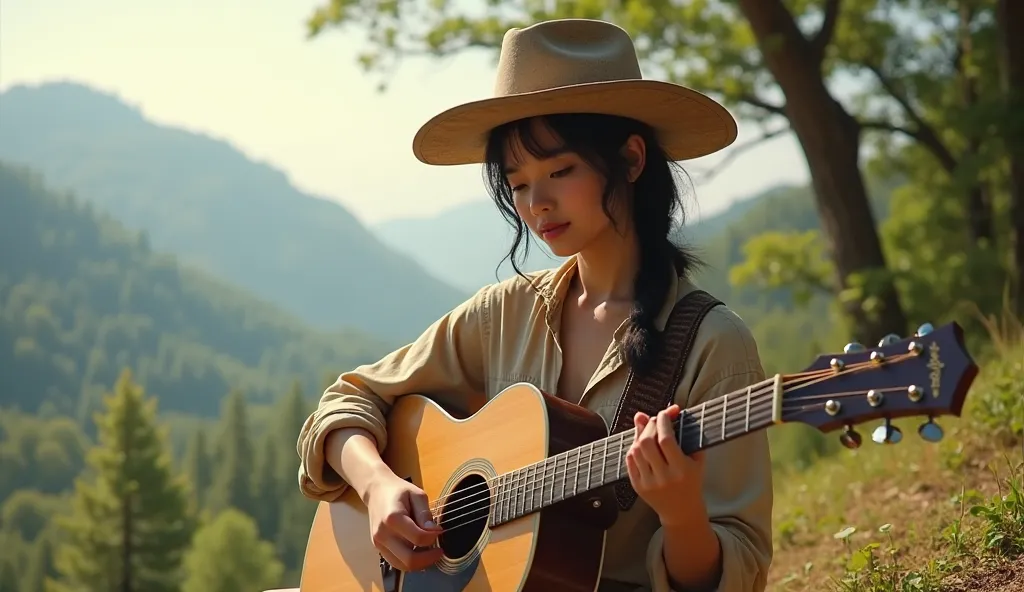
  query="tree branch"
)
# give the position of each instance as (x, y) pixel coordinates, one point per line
(922, 132)
(753, 101)
(732, 154)
(821, 39)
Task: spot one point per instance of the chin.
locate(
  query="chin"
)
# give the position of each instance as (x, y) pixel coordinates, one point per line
(563, 249)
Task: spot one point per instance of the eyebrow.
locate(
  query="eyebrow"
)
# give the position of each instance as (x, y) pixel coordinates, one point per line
(512, 169)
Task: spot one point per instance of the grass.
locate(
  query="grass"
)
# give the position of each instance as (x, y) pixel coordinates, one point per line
(917, 516)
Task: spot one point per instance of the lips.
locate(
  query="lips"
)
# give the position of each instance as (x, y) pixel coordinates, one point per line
(551, 230)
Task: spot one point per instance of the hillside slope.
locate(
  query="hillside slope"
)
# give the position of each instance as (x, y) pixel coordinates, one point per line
(81, 298)
(203, 200)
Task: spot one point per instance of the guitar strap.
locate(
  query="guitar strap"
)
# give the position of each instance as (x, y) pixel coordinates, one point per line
(654, 390)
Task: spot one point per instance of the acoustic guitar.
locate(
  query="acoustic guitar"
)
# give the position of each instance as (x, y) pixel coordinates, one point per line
(528, 476)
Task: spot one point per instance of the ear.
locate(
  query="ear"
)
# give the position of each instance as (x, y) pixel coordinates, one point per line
(635, 153)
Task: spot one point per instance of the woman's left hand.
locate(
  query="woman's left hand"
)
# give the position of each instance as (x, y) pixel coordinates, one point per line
(660, 472)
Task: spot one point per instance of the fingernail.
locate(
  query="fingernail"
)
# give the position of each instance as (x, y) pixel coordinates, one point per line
(429, 524)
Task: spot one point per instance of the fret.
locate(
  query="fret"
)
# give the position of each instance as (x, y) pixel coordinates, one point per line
(546, 499)
(556, 488)
(576, 472)
(590, 464)
(528, 487)
(725, 413)
(746, 423)
(503, 499)
(521, 493)
(619, 457)
(703, 407)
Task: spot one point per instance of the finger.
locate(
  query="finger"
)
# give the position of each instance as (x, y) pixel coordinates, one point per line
(420, 509)
(407, 559)
(667, 444)
(648, 446)
(640, 421)
(401, 524)
(633, 471)
(641, 467)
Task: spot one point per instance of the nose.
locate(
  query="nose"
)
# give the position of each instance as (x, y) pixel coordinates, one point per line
(541, 201)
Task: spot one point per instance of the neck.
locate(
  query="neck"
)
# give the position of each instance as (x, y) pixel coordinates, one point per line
(599, 463)
(607, 269)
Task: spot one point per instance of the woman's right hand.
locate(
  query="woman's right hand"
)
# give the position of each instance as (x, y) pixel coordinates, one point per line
(400, 519)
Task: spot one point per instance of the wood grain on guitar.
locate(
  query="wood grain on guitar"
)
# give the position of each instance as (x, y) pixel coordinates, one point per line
(529, 476)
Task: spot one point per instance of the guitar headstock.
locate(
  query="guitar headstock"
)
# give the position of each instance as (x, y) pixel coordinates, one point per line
(925, 375)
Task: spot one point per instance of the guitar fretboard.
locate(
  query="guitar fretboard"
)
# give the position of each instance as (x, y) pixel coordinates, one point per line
(599, 463)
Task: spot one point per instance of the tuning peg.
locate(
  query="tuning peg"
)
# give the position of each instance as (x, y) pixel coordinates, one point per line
(930, 431)
(924, 329)
(850, 438)
(853, 347)
(887, 433)
(888, 340)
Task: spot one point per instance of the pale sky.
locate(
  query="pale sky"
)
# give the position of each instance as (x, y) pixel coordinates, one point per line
(243, 71)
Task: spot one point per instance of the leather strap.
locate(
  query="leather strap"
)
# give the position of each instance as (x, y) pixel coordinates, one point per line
(654, 390)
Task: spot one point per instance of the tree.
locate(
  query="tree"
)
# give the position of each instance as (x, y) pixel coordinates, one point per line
(198, 467)
(129, 523)
(754, 54)
(233, 482)
(228, 556)
(1011, 20)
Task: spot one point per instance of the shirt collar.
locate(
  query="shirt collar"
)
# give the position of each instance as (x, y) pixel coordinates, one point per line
(554, 286)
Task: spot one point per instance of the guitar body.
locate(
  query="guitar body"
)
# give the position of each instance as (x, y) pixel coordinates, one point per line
(558, 548)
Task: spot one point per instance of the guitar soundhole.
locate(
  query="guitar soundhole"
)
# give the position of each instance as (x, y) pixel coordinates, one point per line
(464, 516)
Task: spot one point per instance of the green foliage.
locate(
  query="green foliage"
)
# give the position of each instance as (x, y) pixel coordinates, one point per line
(228, 556)
(81, 297)
(129, 524)
(1003, 516)
(233, 482)
(868, 572)
(793, 260)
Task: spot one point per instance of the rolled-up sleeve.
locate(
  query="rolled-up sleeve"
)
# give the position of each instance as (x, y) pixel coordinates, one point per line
(737, 474)
(446, 363)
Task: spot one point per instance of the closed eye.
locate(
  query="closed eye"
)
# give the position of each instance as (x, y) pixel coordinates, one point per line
(562, 172)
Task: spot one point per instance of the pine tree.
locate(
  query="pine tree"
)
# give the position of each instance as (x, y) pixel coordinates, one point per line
(268, 488)
(198, 467)
(129, 524)
(233, 482)
(228, 556)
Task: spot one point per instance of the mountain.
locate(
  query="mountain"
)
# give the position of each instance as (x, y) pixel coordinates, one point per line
(462, 245)
(206, 202)
(439, 242)
(82, 297)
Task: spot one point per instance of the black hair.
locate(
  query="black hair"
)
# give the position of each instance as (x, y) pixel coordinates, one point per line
(656, 204)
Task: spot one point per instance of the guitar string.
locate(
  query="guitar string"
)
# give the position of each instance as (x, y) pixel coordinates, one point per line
(603, 461)
(519, 480)
(717, 405)
(514, 515)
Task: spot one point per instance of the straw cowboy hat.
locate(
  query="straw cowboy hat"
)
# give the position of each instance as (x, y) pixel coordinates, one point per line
(575, 66)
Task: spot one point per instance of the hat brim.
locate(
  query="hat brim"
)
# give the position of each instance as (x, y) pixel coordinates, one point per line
(688, 123)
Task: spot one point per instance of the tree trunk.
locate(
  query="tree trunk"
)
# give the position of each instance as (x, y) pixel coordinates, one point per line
(830, 139)
(979, 202)
(1011, 19)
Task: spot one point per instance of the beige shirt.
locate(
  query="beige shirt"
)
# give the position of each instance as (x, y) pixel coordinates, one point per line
(508, 333)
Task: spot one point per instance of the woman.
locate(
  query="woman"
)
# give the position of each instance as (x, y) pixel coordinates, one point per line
(577, 150)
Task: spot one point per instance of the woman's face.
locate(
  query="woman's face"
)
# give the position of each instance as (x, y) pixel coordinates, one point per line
(560, 198)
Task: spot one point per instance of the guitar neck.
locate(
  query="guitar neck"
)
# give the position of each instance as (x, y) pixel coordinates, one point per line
(592, 466)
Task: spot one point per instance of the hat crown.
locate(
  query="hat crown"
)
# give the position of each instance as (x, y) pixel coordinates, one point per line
(564, 52)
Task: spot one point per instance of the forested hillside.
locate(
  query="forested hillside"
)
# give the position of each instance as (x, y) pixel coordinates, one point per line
(204, 201)
(82, 297)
